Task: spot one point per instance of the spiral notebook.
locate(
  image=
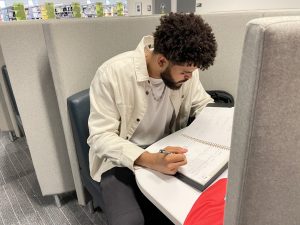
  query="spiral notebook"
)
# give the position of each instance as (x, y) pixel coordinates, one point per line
(208, 140)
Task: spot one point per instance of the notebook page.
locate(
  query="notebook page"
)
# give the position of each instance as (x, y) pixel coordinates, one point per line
(204, 160)
(213, 124)
(174, 139)
(201, 158)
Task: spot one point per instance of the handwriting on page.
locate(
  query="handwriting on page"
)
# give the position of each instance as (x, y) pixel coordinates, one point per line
(174, 139)
(208, 141)
(202, 160)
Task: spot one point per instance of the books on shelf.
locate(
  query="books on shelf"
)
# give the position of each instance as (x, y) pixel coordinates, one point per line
(208, 140)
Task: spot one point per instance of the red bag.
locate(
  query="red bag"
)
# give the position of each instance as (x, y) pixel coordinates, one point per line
(209, 207)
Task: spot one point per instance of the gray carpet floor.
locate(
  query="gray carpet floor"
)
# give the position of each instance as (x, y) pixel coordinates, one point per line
(21, 201)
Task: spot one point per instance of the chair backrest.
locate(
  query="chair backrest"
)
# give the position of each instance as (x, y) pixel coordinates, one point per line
(79, 110)
(264, 166)
(5, 123)
(12, 99)
(10, 91)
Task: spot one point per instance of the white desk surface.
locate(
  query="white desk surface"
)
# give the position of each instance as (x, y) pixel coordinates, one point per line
(171, 196)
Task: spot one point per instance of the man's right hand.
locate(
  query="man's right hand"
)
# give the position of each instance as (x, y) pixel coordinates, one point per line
(164, 163)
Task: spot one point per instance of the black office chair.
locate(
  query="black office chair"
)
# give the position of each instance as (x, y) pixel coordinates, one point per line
(13, 101)
(79, 110)
(221, 98)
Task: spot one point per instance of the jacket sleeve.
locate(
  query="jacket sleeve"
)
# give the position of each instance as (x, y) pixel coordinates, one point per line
(104, 123)
(200, 98)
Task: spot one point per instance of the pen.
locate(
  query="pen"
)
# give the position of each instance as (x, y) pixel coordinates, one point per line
(163, 151)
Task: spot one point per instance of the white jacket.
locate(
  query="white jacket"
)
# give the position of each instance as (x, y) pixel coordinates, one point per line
(118, 102)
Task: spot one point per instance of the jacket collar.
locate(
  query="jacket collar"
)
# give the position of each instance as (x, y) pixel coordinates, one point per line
(140, 59)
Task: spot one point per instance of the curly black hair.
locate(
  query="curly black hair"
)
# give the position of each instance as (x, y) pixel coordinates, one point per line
(185, 39)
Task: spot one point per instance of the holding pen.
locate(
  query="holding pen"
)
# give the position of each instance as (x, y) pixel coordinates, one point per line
(163, 151)
(166, 152)
(166, 160)
(171, 158)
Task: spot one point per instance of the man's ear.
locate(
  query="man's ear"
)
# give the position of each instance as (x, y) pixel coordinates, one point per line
(162, 62)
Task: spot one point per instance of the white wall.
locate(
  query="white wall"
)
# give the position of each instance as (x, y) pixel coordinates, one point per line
(131, 5)
(145, 6)
(222, 5)
(173, 5)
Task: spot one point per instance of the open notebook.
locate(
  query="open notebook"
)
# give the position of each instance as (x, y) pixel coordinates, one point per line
(208, 140)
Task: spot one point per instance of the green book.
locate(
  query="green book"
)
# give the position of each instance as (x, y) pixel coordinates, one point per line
(50, 10)
(19, 11)
(99, 9)
(120, 9)
(76, 9)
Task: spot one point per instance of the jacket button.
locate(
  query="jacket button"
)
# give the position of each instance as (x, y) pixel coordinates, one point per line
(182, 96)
(127, 137)
(147, 92)
(138, 119)
(148, 81)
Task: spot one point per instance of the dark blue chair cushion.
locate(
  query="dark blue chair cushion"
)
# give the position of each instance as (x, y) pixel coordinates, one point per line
(79, 110)
(9, 89)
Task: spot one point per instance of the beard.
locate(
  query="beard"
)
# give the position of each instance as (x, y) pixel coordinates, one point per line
(169, 81)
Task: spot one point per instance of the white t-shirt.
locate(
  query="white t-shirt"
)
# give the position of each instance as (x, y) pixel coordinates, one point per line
(155, 124)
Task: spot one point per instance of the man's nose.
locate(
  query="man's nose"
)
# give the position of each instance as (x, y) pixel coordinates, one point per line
(187, 76)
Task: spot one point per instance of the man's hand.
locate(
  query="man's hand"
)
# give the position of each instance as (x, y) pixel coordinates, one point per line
(165, 163)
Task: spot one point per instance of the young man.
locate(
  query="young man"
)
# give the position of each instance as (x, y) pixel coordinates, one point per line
(139, 97)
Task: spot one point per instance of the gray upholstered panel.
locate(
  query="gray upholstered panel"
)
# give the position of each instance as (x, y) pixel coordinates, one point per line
(264, 177)
(27, 62)
(283, 12)
(76, 48)
(5, 122)
(229, 29)
(8, 120)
